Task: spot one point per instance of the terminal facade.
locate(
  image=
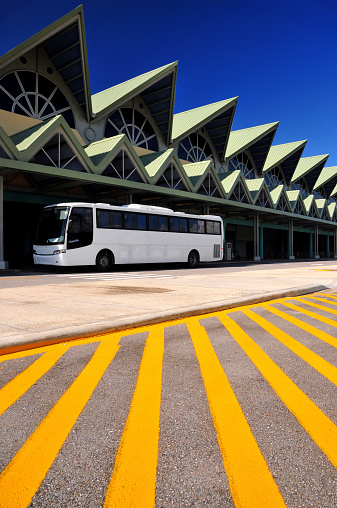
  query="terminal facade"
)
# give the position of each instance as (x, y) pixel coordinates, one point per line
(59, 143)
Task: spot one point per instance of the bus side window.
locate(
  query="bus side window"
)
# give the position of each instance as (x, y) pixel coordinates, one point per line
(217, 228)
(80, 229)
(201, 226)
(134, 221)
(210, 227)
(193, 225)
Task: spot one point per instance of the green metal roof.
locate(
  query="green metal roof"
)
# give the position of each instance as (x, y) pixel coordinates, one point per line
(197, 172)
(111, 98)
(100, 150)
(279, 153)
(191, 120)
(321, 204)
(242, 139)
(293, 196)
(276, 193)
(325, 176)
(308, 202)
(307, 164)
(229, 181)
(65, 43)
(24, 139)
(331, 210)
(153, 162)
(254, 187)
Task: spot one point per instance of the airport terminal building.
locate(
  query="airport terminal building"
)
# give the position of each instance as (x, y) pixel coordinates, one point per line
(59, 143)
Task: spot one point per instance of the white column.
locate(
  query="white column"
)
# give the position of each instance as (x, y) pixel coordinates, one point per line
(256, 238)
(3, 263)
(291, 240)
(316, 243)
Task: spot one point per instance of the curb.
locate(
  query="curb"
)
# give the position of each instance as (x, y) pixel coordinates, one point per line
(40, 339)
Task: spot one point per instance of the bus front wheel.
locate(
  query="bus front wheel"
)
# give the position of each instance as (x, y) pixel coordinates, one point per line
(193, 259)
(104, 261)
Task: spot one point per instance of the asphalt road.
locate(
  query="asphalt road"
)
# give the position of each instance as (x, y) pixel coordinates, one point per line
(237, 408)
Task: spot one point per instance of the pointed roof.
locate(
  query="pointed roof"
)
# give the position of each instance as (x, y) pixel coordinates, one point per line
(308, 202)
(321, 206)
(277, 193)
(327, 179)
(257, 139)
(155, 164)
(255, 186)
(30, 140)
(230, 180)
(99, 151)
(279, 154)
(217, 118)
(310, 167)
(293, 196)
(157, 89)
(332, 209)
(197, 172)
(65, 44)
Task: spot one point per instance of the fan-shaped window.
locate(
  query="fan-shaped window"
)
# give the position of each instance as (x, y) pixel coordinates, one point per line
(134, 125)
(31, 94)
(274, 177)
(194, 148)
(301, 186)
(243, 163)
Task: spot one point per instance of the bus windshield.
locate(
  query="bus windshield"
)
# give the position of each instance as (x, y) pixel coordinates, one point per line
(52, 225)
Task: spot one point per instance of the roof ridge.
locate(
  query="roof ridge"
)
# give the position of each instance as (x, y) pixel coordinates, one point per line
(206, 105)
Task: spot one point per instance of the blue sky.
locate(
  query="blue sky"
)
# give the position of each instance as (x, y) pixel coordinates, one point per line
(278, 57)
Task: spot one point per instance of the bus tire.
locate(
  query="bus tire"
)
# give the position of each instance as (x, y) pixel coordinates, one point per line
(104, 260)
(193, 259)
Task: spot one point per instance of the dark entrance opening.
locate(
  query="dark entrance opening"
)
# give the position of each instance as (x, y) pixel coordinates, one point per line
(20, 225)
(275, 243)
(301, 245)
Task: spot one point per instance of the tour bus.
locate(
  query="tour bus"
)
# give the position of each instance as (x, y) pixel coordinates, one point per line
(74, 234)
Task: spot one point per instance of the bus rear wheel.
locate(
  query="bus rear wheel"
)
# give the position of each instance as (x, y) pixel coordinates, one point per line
(104, 261)
(193, 259)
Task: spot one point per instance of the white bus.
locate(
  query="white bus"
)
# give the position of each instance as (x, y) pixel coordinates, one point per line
(74, 234)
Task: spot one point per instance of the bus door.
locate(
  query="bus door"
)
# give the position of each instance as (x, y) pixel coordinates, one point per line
(80, 235)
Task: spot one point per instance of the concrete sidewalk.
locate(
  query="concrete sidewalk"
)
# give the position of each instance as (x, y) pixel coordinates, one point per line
(59, 308)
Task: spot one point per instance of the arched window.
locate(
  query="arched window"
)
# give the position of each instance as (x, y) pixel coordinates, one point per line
(244, 164)
(194, 148)
(134, 125)
(301, 186)
(31, 94)
(274, 177)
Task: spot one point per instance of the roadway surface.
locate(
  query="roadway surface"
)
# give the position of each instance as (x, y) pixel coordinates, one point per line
(236, 408)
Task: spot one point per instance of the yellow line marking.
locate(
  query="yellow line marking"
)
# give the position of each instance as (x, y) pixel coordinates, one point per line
(324, 300)
(329, 339)
(323, 319)
(24, 474)
(250, 480)
(13, 390)
(317, 306)
(322, 430)
(133, 482)
(22, 277)
(322, 366)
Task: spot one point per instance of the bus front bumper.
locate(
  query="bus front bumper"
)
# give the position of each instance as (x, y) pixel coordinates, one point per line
(51, 259)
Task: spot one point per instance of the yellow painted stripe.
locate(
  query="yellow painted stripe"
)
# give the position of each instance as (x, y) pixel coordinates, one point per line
(250, 480)
(133, 482)
(314, 315)
(322, 430)
(320, 299)
(24, 474)
(322, 366)
(329, 339)
(321, 307)
(13, 390)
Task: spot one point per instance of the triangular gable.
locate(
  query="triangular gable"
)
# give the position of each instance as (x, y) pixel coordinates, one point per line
(164, 169)
(294, 197)
(33, 139)
(332, 211)
(327, 179)
(286, 155)
(310, 167)
(157, 89)
(234, 186)
(257, 139)
(322, 208)
(216, 118)
(310, 206)
(203, 178)
(65, 44)
(8, 149)
(116, 157)
(282, 201)
(254, 187)
(259, 193)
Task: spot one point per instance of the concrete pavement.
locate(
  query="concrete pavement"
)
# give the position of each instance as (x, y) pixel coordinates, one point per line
(52, 308)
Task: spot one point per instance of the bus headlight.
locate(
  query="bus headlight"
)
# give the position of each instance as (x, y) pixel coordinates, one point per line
(60, 251)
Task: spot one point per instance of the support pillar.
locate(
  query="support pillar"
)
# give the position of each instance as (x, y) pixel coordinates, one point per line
(316, 242)
(257, 238)
(261, 241)
(3, 263)
(291, 240)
